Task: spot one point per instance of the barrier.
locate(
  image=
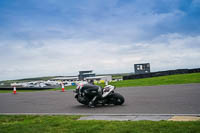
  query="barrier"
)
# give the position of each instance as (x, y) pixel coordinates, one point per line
(106, 82)
(63, 87)
(161, 73)
(14, 90)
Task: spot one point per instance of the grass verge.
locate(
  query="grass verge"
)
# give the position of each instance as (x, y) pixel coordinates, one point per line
(70, 124)
(54, 89)
(163, 80)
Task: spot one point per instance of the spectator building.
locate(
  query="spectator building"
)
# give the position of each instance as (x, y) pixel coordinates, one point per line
(85, 74)
(142, 68)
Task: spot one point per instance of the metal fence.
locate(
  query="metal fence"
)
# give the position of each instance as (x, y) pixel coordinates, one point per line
(161, 73)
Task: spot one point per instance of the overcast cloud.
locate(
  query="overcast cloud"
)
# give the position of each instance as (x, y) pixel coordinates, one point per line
(58, 37)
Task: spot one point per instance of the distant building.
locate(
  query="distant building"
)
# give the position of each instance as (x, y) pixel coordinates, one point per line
(84, 74)
(70, 79)
(99, 78)
(142, 68)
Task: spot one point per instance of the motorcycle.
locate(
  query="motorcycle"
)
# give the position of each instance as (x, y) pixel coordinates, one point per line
(85, 93)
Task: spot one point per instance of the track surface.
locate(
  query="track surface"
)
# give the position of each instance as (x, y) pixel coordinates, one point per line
(169, 99)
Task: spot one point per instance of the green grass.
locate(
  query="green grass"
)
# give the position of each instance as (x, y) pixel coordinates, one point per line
(10, 91)
(66, 88)
(54, 89)
(162, 80)
(70, 124)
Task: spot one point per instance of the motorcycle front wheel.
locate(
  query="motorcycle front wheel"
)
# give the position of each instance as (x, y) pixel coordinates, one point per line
(82, 100)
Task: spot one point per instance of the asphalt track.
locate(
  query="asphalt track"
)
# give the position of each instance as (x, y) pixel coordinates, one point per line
(166, 99)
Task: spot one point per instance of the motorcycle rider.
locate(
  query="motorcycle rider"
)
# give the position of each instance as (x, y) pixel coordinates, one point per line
(94, 89)
(91, 81)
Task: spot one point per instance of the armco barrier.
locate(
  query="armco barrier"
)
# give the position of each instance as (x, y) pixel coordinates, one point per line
(161, 73)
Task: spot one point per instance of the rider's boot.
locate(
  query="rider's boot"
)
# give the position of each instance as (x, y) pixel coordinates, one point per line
(91, 103)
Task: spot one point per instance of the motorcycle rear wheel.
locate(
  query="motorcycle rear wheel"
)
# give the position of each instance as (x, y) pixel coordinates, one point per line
(118, 99)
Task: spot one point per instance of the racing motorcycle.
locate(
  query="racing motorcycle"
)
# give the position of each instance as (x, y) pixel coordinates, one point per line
(85, 93)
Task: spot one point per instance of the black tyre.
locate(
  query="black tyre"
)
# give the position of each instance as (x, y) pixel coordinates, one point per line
(82, 100)
(118, 99)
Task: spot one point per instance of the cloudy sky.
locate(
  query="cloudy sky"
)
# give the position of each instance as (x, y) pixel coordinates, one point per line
(61, 37)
